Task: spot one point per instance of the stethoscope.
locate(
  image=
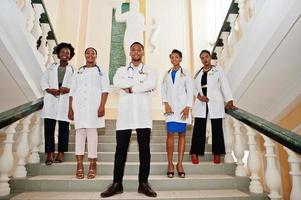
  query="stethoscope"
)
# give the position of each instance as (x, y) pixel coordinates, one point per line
(181, 70)
(82, 69)
(131, 75)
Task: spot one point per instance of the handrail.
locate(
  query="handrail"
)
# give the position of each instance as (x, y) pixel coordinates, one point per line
(283, 136)
(45, 19)
(10, 116)
(233, 9)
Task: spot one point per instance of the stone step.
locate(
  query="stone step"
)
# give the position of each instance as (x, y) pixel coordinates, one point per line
(130, 183)
(223, 194)
(112, 138)
(132, 157)
(133, 147)
(107, 131)
(131, 168)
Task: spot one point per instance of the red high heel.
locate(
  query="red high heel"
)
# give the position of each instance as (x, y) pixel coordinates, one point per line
(216, 159)
(194, 159)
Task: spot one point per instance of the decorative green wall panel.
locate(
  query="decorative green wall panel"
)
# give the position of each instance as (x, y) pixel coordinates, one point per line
(117, 56)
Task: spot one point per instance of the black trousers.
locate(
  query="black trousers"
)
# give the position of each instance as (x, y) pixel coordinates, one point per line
(199, 136)
(123, 140)
(49, 129)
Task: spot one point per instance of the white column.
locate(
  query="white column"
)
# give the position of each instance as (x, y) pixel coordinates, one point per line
(253, 162)
(272, 174)
(229, 140)
(36, 30)
(23, 149)
(294, 161)
(7, 160)
(239, 150)
(35, 140)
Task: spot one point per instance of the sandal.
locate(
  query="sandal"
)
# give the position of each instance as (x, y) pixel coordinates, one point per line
(180, 174)
(49, 159)
(59, 158)
(170, 174)
(80, 167)
(92, 168)
(48, 162)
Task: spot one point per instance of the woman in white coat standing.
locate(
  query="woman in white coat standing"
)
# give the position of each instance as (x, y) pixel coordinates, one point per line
(88, 96)
(177, 97)
(55, 83)
(211, 90)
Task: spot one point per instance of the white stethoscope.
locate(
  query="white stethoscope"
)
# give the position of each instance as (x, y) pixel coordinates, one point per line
(82, 69)
(130, 70)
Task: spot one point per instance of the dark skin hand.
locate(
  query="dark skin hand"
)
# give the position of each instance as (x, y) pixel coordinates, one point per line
(230, 105)
(54, 92)
(203, 98)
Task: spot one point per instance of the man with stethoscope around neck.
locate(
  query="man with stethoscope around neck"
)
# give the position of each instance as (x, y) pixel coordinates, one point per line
(135, 81)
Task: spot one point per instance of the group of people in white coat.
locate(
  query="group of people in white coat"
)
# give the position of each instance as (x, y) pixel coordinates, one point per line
(81, 96)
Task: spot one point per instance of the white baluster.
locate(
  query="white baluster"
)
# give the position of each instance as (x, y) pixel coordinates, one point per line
(229, 140)
(239, 150)
(42, 146)
(35, 140)
(36, 30)
(232, 37)
(51, 45)
(251, 8)
(23, 149)
(242, 16)
(294, 161)
(218, 51)
(29, 14)
(7, 159)
(225, 52)
(272, 174)
(253, 162)
(43, 47)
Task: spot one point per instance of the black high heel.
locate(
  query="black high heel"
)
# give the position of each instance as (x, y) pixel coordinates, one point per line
(171, 174)
(180, 174)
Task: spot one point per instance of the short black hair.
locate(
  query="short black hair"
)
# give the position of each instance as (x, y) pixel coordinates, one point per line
(138, 44)
(62, 45)
(177, 52)
(205, 51)
(90, 48)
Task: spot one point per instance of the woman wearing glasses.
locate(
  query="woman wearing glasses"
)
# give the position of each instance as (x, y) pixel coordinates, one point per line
(177, 97)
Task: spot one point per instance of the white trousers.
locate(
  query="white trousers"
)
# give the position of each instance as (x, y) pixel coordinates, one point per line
(92, 140)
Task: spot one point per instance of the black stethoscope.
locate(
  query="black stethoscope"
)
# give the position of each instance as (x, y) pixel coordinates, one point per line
(82, 69)
(131, 68)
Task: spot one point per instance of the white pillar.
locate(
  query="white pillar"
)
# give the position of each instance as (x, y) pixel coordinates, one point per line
(229, 140)
(35, 140)
(294, 161)
(239, 150)
(23, 149)
(7, 160)
(253, 162)
(218, 51)
(225, 53)
(272, 174)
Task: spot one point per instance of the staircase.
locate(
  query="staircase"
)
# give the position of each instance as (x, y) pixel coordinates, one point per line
(203, 181)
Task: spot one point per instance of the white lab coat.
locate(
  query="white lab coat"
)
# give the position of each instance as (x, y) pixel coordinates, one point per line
(218, 92)
(87, 87)
(134, 109)
(56, 107)
(178, 94)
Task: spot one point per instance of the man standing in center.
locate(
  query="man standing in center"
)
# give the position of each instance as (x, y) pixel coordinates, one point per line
(136, 82)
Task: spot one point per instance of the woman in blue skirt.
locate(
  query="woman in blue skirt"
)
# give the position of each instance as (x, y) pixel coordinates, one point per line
(177, 97)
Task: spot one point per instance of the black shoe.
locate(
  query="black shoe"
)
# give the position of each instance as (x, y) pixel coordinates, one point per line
(144, 188)
(115, 188)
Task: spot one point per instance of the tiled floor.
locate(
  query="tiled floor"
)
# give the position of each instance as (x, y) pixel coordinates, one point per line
(130, 195)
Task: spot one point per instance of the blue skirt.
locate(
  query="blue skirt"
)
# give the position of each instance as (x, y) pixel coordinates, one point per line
(176, 127)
